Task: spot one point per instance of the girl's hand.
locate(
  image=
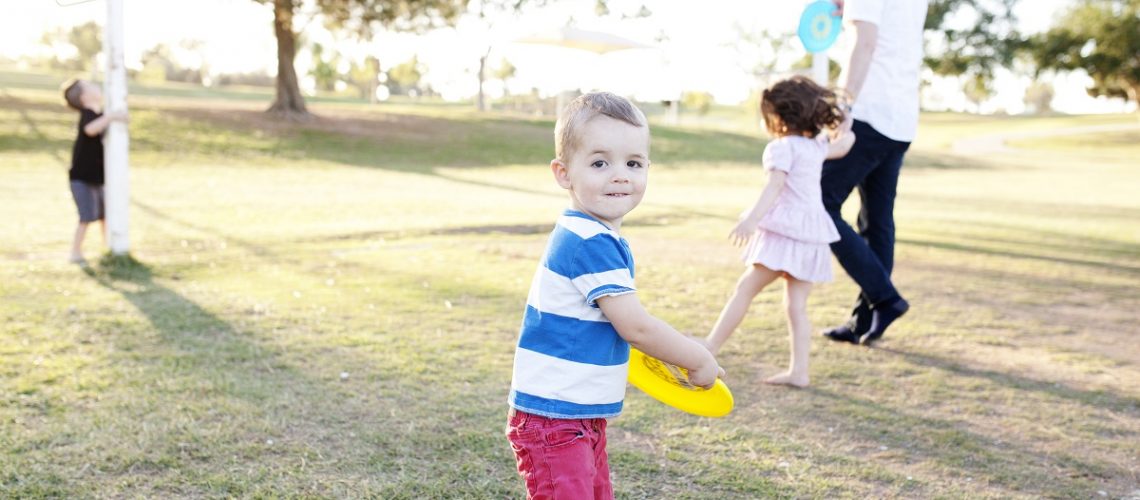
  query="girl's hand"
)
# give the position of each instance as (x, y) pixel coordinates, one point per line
(844, 127)
(743, 231)
(121, 116)
(848, 122)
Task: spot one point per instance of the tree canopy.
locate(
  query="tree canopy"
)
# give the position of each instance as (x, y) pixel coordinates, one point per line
(87, 38)
(970, 37)
(357, 17)
(1101, 37)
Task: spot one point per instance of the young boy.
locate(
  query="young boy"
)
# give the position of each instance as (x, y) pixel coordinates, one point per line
(582, 312)
(86, 172)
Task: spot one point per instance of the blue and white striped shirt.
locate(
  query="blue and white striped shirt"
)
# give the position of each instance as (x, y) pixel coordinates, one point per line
(570, 361)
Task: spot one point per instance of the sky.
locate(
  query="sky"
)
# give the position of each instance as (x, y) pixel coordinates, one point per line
(699, 50)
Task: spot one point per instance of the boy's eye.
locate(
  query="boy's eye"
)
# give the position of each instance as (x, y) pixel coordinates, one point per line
(633, 164)
(598, 163)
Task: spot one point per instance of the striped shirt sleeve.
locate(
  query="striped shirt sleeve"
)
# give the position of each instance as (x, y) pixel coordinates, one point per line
(602, 266)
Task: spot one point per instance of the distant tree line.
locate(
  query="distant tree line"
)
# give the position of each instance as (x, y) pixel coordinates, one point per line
(968, 39)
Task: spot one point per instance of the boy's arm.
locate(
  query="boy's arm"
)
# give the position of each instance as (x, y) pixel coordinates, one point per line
(656, 338)
(98, 125)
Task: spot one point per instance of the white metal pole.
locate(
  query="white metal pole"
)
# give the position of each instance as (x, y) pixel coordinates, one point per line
(115, 140)
(819, 68)
(819, 64)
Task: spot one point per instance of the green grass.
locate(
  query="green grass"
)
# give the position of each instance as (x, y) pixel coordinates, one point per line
(394, 245)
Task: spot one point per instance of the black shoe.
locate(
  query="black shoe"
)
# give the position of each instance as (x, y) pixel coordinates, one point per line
(842, 333)
(860, 321)
(882, 317)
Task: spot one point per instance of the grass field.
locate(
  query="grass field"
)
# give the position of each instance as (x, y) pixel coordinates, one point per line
(330, 309)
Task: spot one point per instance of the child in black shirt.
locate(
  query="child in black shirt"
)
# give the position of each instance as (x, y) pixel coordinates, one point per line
(86, 172)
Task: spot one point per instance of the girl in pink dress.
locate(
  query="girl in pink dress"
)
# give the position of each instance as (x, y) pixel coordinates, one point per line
(787, 230)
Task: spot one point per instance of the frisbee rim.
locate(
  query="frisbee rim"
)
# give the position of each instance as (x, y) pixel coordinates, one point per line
(714, 402)
(805, 32)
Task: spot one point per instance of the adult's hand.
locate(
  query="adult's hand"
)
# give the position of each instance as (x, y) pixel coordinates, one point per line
(838, 8)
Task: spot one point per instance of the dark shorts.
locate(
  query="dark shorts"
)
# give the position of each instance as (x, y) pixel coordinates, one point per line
(89, 200)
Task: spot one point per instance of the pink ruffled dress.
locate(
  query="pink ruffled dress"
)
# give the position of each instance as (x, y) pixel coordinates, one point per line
(794, 235)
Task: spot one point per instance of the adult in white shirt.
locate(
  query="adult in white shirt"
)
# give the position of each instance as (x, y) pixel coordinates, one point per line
(882, 79)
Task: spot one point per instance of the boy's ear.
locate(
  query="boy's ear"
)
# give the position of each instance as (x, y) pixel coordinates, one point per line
(561, 173)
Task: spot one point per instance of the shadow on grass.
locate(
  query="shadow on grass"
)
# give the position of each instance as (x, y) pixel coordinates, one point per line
(1100, 213)
(214, 343)
(1057, 241)
(657, 220)
(258, 250)
(975, 249)
(1101, 399)
(965, 453)
(421, 144)
(39, 141)
(916, 160)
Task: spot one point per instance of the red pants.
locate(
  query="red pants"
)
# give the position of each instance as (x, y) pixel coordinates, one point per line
(561, 458)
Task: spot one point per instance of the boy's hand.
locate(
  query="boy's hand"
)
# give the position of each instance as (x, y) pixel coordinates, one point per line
(705, 376)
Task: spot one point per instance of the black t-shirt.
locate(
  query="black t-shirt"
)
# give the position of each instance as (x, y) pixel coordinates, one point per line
(87, 156)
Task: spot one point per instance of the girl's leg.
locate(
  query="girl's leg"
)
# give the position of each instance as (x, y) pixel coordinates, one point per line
(747, 287)
(77, 242)
(799, 330)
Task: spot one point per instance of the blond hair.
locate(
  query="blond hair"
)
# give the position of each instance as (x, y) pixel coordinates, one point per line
(583, 109)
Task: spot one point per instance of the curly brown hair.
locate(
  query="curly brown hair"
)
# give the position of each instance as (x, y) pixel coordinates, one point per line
(798, 105)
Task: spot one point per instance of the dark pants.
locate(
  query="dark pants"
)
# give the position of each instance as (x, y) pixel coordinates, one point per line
(873, 167)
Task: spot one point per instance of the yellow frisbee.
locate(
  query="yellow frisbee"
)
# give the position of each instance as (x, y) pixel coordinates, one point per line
(669, 384)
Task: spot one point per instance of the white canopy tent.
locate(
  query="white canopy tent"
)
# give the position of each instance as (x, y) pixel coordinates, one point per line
(596, 42)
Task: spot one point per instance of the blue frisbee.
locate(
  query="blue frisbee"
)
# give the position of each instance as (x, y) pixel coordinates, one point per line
(818, 28)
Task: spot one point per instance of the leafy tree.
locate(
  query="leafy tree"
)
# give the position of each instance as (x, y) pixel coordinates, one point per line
(364, 76)
(504, 72)
(166, 63)
(1039, 97)
(1101, 37)
(359, 17)
(87, 38)
(971, 37)
(759, 51)
(406, 76)
(324, 68)
(194, 47)
(158, 64)
(485, 11)
(978, 89)
(697, 101)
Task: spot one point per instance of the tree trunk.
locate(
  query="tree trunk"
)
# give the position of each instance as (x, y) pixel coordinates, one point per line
(289, 101)
(480, 104)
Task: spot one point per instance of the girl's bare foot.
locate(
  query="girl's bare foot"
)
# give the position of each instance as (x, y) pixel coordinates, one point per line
(787, 378)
